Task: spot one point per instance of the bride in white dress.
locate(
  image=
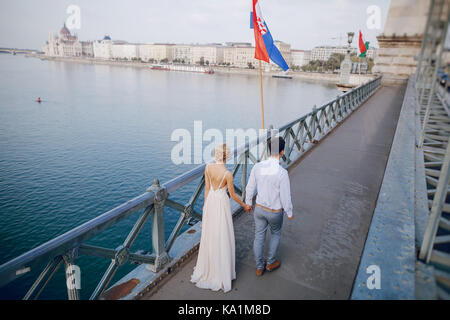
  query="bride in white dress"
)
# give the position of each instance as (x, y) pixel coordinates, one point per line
(215, 268)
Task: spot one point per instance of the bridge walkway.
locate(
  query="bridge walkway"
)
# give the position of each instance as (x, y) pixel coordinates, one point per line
(334, 193)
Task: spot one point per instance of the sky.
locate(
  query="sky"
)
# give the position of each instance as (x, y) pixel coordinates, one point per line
(302, 23)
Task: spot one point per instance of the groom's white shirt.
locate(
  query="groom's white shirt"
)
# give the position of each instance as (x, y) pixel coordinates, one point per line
(272, 184)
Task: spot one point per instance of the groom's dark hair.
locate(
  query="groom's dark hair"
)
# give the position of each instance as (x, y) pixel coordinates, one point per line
(277, 145)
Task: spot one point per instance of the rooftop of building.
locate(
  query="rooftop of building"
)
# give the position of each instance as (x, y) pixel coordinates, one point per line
(65, 31)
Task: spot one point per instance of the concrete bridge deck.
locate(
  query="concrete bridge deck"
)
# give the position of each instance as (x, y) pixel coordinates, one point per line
(334, 193)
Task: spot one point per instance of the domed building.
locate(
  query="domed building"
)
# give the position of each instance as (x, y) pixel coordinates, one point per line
(65, 34)
(103, 48)
(66, 45)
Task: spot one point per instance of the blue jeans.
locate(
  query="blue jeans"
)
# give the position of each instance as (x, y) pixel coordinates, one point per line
(263, 220)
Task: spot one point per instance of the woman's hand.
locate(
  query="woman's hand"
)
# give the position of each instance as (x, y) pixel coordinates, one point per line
(233, 194)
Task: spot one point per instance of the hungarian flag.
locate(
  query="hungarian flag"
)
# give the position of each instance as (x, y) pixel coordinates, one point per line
(363, 47)
(265, 49)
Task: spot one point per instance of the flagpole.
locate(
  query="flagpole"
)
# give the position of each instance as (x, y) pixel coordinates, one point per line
(265, 49)
(262, 102)
(261, 90)
(359, 80)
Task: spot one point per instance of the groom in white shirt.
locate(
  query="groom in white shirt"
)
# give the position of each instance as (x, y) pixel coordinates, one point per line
(273, 197)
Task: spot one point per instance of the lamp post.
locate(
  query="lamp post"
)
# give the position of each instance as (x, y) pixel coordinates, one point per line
(344, 79)
(350, 36)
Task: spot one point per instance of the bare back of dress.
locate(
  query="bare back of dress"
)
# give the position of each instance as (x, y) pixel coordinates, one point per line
(215, 268)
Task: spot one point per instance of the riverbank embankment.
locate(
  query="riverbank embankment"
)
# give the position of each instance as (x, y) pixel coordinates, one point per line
(355, 79)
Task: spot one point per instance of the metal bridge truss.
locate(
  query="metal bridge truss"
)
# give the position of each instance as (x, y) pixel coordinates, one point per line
(433, 140)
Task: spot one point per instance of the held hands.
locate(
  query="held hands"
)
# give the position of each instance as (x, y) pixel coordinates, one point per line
(248, 208)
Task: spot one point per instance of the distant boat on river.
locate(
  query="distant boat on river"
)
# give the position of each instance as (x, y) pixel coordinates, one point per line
(282, 75)
(184, 68)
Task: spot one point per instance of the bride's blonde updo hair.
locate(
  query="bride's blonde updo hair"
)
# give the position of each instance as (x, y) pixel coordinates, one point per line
(222, 153)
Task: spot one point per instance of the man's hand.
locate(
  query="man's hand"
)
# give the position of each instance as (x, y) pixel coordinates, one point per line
(291, 217)
(248, 208)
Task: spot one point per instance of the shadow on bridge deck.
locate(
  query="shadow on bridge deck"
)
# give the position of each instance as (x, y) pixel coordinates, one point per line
(334, 193)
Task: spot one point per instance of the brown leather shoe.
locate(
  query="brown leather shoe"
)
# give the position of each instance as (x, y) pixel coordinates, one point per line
(259, 272)
(273, 266)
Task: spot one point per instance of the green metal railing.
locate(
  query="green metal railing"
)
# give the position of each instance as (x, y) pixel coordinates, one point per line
(300, 135)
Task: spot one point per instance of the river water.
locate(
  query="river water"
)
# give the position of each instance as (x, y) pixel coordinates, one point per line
(101, 135)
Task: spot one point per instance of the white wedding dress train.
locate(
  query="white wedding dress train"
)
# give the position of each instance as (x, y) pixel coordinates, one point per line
(215, 268)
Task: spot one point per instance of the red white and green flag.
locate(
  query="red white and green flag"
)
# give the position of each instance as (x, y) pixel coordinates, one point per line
(363, 47)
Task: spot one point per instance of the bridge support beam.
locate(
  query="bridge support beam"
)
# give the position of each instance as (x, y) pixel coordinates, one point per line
(401, 40)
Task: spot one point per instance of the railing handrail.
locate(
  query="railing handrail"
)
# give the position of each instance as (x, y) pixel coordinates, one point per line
(73, 238)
